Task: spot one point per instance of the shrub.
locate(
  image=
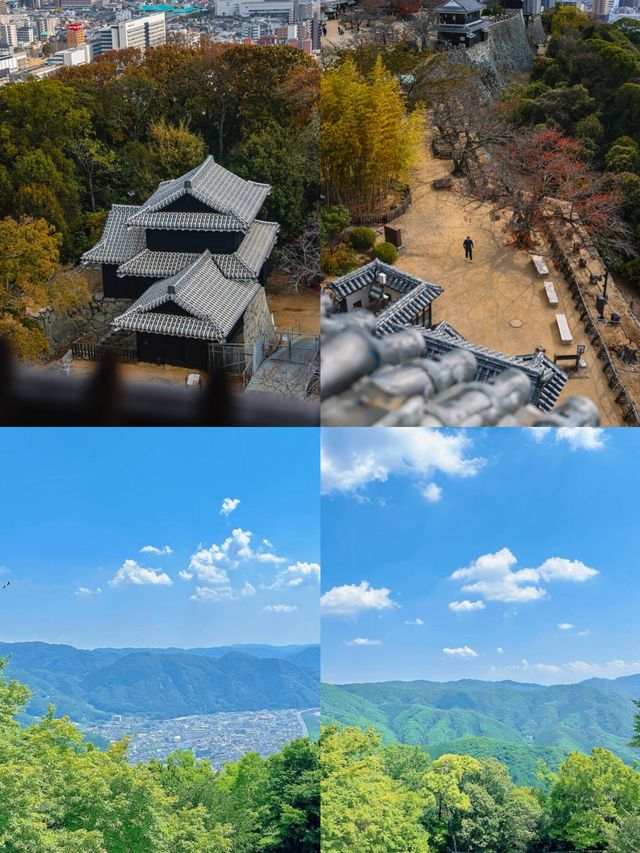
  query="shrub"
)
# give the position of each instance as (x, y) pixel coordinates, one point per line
(333, 221)
(342, 260)
(386, 252)
(362, 238)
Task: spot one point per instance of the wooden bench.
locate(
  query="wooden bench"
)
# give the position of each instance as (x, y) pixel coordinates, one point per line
(563, 328)
(551, 293)
(540, 265)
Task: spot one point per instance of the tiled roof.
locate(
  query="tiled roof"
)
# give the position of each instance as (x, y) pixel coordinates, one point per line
(118, 243)
(176, 220)
(402, 312)
(156, 264)
(214, 186)
(547, 379)
(214, 303)
(460, 6)
(258, 244)
(241, 265)
(365, 276)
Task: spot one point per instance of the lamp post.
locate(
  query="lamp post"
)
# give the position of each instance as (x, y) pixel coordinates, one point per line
(607, 262)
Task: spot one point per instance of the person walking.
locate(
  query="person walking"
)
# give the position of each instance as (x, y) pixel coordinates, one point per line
(468, 249)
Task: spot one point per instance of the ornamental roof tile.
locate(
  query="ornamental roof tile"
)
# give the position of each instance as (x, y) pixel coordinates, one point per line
(118, 243)
(213, 302)
(214, 186)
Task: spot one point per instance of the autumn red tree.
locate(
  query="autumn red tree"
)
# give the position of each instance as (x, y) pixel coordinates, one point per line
(535, 170)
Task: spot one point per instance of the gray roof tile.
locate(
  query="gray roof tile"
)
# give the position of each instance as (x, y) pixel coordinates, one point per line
(216, 187)
(547, 379)
(214, 303)
(365, 276)
(118, 243)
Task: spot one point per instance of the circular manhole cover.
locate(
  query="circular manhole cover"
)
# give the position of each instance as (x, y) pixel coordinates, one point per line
(515, 324)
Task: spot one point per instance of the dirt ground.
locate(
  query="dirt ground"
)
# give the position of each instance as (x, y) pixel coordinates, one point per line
(298, 312)
(499, 300)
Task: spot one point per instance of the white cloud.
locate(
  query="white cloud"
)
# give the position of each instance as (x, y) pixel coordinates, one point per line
(298, 574)
(85, 592)
(500, 650)
(212, 564)
(565, 626)
(584, 633)
(280, 608)
(466, 606)
(248, 589)
(578, 438)
(228, 506)
(353, 458)
(609, 669)
(132, 572)
(267, 543)
(559, 569)
(547, 667)
(185, 576)
(152, 549)
(205, 593)
(495, 578)
(350, 599)
(263, 557)
(417, 621)
(432, 493)
(362, 641)
(460, 652)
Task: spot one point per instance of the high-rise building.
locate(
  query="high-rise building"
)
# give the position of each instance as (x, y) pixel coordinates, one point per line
(8, 35)
(600, 9)
(26, 34)
(75, 35)
(150, 31)
(4, 9)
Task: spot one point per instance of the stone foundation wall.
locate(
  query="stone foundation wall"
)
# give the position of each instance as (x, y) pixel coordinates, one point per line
(91, 321)
(507, 51)
(257, 320)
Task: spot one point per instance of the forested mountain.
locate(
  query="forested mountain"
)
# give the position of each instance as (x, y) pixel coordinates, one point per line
(516, 723)
(59, 793)
(163, 683)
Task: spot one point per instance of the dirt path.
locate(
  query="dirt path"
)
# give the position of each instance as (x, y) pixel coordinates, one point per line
(299, 312)
(498, 300)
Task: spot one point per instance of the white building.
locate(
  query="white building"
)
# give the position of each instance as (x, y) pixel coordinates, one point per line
(150, 31)
(246, 8)
(80, 55)
(8, 35)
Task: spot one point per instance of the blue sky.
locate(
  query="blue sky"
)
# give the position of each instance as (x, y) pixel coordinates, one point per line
(494, 554)
(80, 506)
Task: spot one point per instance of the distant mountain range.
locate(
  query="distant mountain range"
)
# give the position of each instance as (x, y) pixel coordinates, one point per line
(515, 722)
(164, 683)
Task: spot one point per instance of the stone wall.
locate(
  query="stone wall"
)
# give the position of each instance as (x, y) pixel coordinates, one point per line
(257, 320)
(507, 51)
(91, 321)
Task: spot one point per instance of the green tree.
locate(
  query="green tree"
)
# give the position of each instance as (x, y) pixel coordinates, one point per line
(175, 150)
(363, 809)
(590, 795)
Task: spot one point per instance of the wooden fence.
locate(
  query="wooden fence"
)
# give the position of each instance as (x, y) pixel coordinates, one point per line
(100, 352)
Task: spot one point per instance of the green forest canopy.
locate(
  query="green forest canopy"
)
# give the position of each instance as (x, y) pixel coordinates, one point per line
(59, 794)
(396, 798)
(110, 131)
